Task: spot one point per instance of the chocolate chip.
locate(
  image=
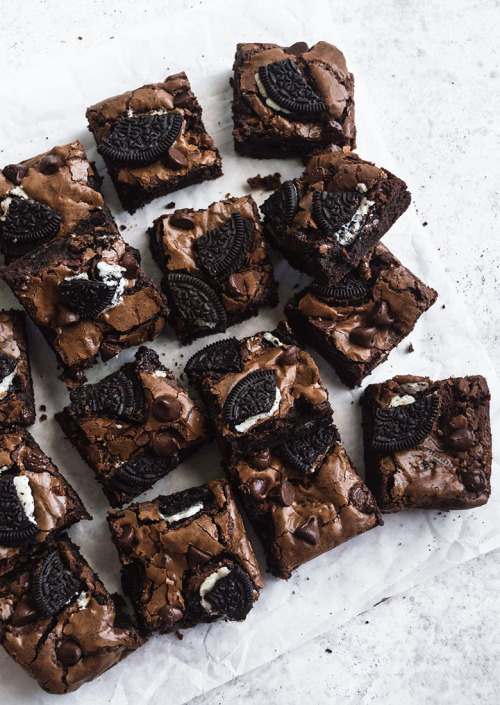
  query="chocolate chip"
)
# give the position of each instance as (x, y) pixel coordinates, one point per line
(15, 173)
(361, 499)
(309, 531)
(23, 614)
(297, 48)
(257, 488)
(381, 315)
(182, 221)
(284, 494)
(170, 615)
(364, 337)
(64, 316)
(183, 100)
(130, 264)
(195, 557)
(176, 159)
(290, 356)
(459, 440)
(69, 653)
(236, 285)
(166, 409)
(164, 445)
(109, 350)
(35, 462)
(474, 481)
(51, 163)
(261, 460)
(124, 535)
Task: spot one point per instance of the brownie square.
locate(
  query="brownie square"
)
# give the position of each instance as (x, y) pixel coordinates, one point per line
(35, 499)
(325, 221)
(87, 295)
(428, 444)
(17, 402)
(51, 195)
(186, 558)
(259, 391)
(134, 426)
(291, 101)
(153, 141)
(58, 621)
(303, 498)
(356, 324)
(216, 265)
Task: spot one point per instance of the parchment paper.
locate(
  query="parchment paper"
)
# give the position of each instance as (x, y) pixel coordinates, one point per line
(47, 107)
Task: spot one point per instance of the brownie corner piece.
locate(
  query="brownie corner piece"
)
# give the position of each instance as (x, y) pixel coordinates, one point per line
(291, 101)
(216, 266)
(17, 401)
(153, 141)
(428, 443)
(186, 558)
(325, 221)
(59, 622)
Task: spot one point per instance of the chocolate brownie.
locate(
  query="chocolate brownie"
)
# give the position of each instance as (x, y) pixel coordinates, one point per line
(216, 265)
(291, 101)
(428, 444)
(134, 426)
(186, 558)
(303, 498)
(260, 390)
(325, 221)
(87, 295)
(153, 141)
(51, 195)
(58, 621)
(35, 499)
(17, 403)
(357, 323)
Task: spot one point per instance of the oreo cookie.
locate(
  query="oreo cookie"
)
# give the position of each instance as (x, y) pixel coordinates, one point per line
(120, 395)
(302, 452)
(401, 427)
(221, 356)
(52, 586)
(232, 595)
(350, 288)
(141, 139)
(15, 527)
(87, 297)
(7, 365)
(141, 472)
(195, 301)
(28, 224)
(287, 87)
(333, 210)
(222, 251)
(253, 394)
(283, 204)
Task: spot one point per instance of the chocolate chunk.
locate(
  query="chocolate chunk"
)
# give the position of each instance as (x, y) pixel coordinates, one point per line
(253, 394)
(309, 531)
(459, 440)
(474, 480)
(184, 221)
(176, 159)
(297, 48)
(283, 204)
(261, 460)
(166, 409)
(222, 251)
(363, 336)
(140, 473)
(141, 139)
(290, 356)
(23, 614)
(401, 427)
(333, 210)
(361, 499)
(284, 494)
(232, 595)
(28, 224)
(7, 365)
(68, 653)
(164, 445)
(124, 535)
(35, 461)
(351, 287)
(120, 395)
(302, 452)
(170, 615)
(285, 85)
(51, 163)
(267, 183)
(52, 586)
(196, 302)
(221, 356)
(86, 297)
(381, 315)
(65, 316)
(15, 173)
(196, 557)
(257, 487)
(131, 265)
(236, 285)
(183, 100)
(109, 350)
(15, 527)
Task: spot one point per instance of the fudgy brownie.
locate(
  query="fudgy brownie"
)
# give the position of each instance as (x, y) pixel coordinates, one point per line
(17, 403)
(49, 196)
(186, 558)
(356, 324)
(428, 444)
(153, 141)
(303, 498)
(134, 426)
(260, 390)
(325, 221)
(88, 295)
(216, 265)
(291, 101)
(58, 621)
(35, 499)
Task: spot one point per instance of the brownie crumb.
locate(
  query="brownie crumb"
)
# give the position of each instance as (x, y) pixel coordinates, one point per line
(43, 417)
(179, 635)
(170, 205)
(443, 306)
(43, 407)
(80, 38)
(329, 651)
(411, 348)
(123, 227)
(267, 183)
(424, 224)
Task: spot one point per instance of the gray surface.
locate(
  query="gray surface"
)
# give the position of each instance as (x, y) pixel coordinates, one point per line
(434, 73)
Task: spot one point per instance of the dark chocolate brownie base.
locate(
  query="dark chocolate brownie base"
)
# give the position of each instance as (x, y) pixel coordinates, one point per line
(17, 401)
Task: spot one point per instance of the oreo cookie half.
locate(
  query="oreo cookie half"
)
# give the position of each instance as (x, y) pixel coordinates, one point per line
(252, 395)
(232, 595)
(7, 365)
(285, 85)
(27, 225)
(86, 297)
(52, 586)
(401, 427)
(221, 356)
(283, 204)
(351, 287)
(15, 527)
(195, 301)
(142, 472)
(121, 395)
(141, 139)
(222, 251)
(332, 210)
(302, 452)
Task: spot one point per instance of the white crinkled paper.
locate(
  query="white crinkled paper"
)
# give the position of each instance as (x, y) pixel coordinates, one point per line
(47, 107)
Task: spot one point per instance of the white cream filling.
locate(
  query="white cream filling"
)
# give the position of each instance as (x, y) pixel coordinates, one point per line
(159, 373)
(23, 489)
(208, 585)
(415, 387)
(269, 101)
(362, 188)
(205, 324)
(6, 382)
(111, 275)
(83, 600)
(402, 401)
(3, 469)
(17, 191)
(252, 420)
(185, 514)
(273, 340)
(348, 232)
